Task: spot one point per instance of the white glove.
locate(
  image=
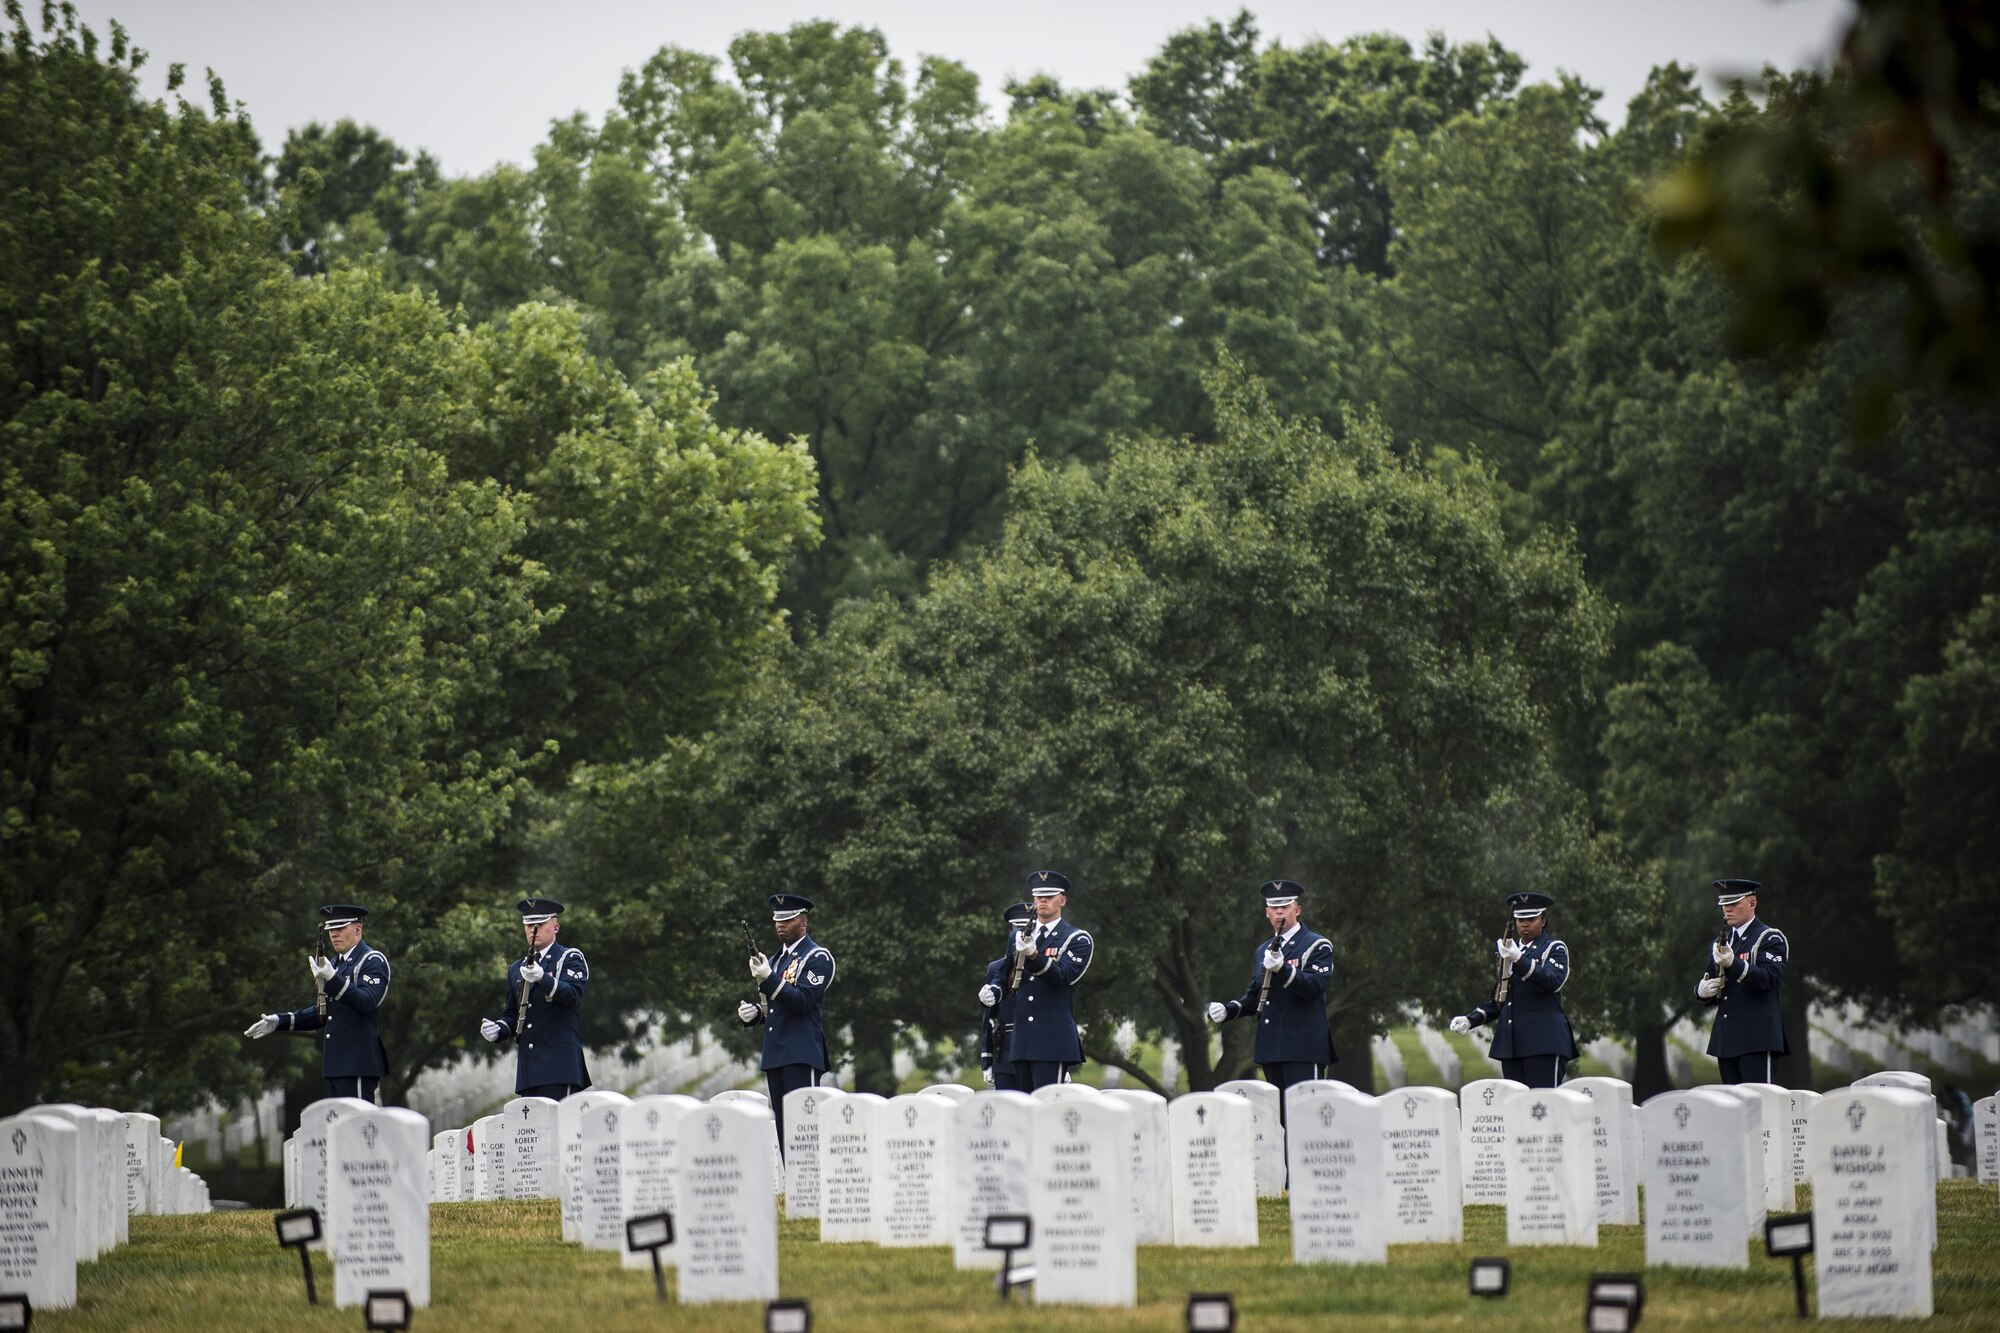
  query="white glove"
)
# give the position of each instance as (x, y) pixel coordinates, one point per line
(746, 1010)
(321, 968)
(986, 1076)
(989, 996)
(531, 973)
(1217, 1011)
(1024, 942)
(1709, 988)
(1722, 954)
(263, 1027)
(1461, 1024)
(760, 967)
(1511, 950)
(1273, 960)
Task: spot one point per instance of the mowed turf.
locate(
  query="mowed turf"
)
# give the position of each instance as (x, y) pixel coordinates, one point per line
(497, 1267)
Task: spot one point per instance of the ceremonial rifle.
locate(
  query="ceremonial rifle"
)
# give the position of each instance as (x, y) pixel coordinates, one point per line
(750, 942)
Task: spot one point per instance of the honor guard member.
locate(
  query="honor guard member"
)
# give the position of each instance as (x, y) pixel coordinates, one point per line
(996, 997)
(545, 1003)
(1531, 1033)
(354, 978)
(791, 989)
(1743, 981)
(1289, 974)
(1050, 958)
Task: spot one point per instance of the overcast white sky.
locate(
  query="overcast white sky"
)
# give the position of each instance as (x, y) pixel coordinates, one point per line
(478, 81)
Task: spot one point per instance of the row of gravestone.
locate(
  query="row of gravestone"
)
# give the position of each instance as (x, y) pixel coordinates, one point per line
(71, 1177)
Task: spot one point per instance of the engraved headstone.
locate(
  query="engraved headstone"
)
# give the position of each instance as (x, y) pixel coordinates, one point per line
(570, 1113)
(39, 1174)
(728, 1221)
(1775, 1142)
(1335, 1152)
(1267, 1131)
(987, 1170)
(1215, 1195)
(1612, 1154)
(600, 1225)
(1483, 1137)
(910, 1169)
(1551, 1172)
(804, 1110)
(93, 1230)
(1152, 1169)
(292, 1184)
(315, 1123)
(1800, 1111)
(1698, 1173)
(1753, 1151)
(111, 1175)
(648, 1156)
(142, 1146)
(1897, 1078)
(751, 1097)
(957, 1092)
(1423, 1199)
(532, 1166)
(489, 1158)
(378, 1221)
(1874, 1210)
(1986, 1141)
(847, 1144)
(1079, 1192)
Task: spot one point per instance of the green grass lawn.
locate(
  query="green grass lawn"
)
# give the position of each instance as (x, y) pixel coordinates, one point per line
(499, 1266)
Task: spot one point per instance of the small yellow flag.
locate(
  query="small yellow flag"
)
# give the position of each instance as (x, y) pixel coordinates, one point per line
(177, 1154)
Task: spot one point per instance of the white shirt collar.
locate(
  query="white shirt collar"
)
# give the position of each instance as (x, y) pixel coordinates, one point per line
(349, 955)
(1287, 936)
(1048, 927)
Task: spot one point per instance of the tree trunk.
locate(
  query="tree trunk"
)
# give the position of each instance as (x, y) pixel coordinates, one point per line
(1795, 1006)
(1649, 1063)
(1353, 1061)
(874, 1057)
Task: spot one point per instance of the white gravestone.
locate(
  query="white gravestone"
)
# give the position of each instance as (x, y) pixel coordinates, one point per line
(1897, 1078)
(1215, 1196)
(111, 1174)
(1152, 1170)
(1612, 1152)
(164, 1169)
(1267, 1131)
(727, 1229)
(804, 1108)
(1986, 1140)
(489, 1158)
(378, 1221)
(315, 1123)
(987, 1172)
(430, 1176)
(910, 1170)
(1058, 1092)
(532, 1166)
(847, 1138)
(648, 1157)
(1551, 1171)
(1423, 1200)
(142, 1147)
(751, 1097)
(93, 1234)
(292, 1186)
(1698, 1173)
(1753, 1152)
(600, 1226)
(1775, 1140)
(1483, 1137)
(1873, 1207)
(444, 1166)
(958, 1092)
(38, 1209)
(1334, 1149)
(1080, 1194)
(1802, 1102)
(570, 1112)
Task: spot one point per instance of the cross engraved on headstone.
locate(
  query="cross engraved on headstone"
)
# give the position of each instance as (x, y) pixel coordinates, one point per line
(1201, 1114)
(368, 1133)
(1681, 1114)
(1326, 1114)
(1071, 1120)
(524, 1110)
(1409, 1108)
(812, 1104)
(653, 1117)
(986, 1117)
(714, 1128)
(1855, 1115)
(1541, 1111)
(611, 1119)
(1487, 1096)
(910, 1116)
(20, 1140)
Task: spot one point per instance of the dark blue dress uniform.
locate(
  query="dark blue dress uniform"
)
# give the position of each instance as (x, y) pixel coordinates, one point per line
(1749, 1032)
(1293, 1042)
(548, 1051)
(997, 1021)
(1532, 1038)
(1044, 1044)
(353, 1060)
(790, 1007)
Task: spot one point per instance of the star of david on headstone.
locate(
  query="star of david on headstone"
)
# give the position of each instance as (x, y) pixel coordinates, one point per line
(1855, 1115)
(910, 1116)
(1682, 1113)
(847, 1114)
(986, 1117)
(1541, 1111)
(1071, 1120)
(368, 1133)
(714, 1128)
(20, 1139)
(1487, 1096)
(1326, 1114)
(1410, 1108)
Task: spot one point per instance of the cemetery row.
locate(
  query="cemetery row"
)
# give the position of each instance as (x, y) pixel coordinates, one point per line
(71, 1177)
(1102, 1172)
